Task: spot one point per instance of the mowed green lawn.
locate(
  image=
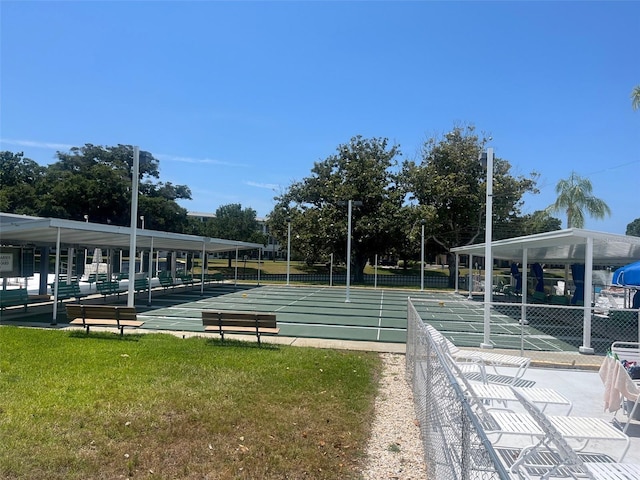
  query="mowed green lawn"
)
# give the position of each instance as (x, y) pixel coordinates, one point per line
(154, 406)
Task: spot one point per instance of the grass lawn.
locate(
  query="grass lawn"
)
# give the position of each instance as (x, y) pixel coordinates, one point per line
(154, 406)
(250, 267)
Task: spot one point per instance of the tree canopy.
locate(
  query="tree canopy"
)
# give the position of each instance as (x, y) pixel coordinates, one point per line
(363, 170)
(449, 185)
(634, 228)
(94, 181)
(19, 178)
(235, 223)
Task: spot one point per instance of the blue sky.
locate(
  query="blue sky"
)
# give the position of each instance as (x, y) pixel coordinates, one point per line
(238, 99)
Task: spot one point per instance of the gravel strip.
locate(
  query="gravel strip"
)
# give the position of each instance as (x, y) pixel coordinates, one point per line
(395, 449)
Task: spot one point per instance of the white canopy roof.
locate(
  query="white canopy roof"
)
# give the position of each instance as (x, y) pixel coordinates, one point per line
(21, 230)
(561, 247)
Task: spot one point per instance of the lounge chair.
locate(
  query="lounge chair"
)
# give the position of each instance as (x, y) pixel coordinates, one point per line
(502, 422)
(504, 394)
(484, 357)
(561, 459)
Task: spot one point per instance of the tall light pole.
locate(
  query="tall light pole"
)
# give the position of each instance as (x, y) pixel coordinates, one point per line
(288, 247)
(488, 258)
(422, 222)
(350, 204)
(142, 220)
(135, 185)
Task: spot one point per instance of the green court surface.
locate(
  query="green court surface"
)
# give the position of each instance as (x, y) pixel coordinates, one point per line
(312, 312)
(377, 315)
(462, 321)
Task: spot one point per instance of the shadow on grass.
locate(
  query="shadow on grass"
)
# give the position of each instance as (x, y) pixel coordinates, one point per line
(130, 337)
(216, 342)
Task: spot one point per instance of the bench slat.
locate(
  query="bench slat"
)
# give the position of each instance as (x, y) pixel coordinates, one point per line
(106, 322)
(229, 328)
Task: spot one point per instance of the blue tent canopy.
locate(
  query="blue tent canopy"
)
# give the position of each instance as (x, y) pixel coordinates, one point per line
(626, 276)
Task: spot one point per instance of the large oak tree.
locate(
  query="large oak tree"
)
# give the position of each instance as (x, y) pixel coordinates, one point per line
(450, 183)
(362, 170)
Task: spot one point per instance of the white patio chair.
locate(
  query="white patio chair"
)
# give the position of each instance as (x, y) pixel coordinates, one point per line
(562, 460)
(501, 422)
(504, 394)
(485, 357)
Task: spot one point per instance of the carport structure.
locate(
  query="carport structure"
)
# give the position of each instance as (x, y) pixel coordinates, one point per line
(38, 232)
(563, 247)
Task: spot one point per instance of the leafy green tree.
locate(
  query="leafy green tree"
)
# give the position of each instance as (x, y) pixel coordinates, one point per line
(575, 199)
(634, 228)
(635, 97)
(539, 222)
(19, 178)
(451, 183)
(96, 181)
(362, 170)
(232, 222)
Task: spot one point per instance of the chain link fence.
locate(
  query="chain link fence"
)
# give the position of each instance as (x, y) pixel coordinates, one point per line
(455, 445)
(554, 331)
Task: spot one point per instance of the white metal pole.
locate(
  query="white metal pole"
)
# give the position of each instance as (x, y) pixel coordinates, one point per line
(288, 248)
(259, 263)
(470, 277)
(56, 279)
(488, 259)
(348, 252)
(587, 286)
(422, 259)
(203, 266)
(134, 226)
(375, 274)
(331, 272)
(235, 281)
(150, 272)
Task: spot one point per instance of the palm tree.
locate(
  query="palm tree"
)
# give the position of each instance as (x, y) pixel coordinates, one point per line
(575, 198)
(635, 97)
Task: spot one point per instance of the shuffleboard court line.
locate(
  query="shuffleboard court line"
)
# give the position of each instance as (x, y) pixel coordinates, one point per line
(299, 299)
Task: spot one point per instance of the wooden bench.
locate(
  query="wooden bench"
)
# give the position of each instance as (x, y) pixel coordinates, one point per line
(221, 322)
(108, 288)
(13, 297)
(103, 315)
(67, 290)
